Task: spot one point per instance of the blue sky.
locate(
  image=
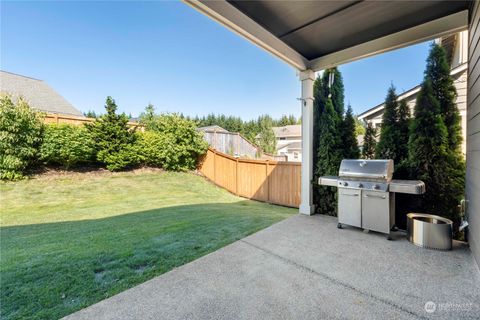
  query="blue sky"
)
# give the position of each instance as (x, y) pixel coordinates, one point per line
(168, 54)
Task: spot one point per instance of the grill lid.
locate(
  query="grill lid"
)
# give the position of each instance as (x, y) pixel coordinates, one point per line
(379, 170)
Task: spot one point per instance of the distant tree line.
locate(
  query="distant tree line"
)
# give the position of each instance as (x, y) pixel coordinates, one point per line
(258, 131)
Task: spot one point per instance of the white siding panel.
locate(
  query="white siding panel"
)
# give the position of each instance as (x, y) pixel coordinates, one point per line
(474, 22)
(473, 157)
(473, 107)
(474, 87)
(473, 142)
(474, 126)
(473, 138)
(474, 73)
(473, 207)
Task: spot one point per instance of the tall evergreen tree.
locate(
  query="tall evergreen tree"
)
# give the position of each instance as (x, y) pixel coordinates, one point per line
(328, 158)
(328, 86)
(369, 142)
(434, 157)
(349, 137)
(318, 107)
(387, 147)
(332, 87)
(328, 128)
(428, 153)
(403, 126)
(438, 71)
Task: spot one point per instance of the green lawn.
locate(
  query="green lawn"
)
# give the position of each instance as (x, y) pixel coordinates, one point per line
(70, 241)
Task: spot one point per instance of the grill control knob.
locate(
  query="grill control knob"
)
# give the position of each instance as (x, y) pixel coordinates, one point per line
(360, 185)
(345, 184)
(376, 187)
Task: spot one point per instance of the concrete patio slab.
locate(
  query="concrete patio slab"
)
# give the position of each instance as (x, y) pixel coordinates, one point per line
(306, 268)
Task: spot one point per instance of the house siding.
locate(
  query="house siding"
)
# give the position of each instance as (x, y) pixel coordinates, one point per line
(473, 133)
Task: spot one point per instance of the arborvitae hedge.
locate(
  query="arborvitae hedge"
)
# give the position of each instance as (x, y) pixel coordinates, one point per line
(369, 142)
(334, 136)
(403, 125)
(328, 159)
(387, 147)
(434, 146)
(438, 71)
(349, 137)
(428, 153)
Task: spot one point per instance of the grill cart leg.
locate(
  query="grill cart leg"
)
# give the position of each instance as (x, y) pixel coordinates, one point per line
(339, 226)
(389, 237)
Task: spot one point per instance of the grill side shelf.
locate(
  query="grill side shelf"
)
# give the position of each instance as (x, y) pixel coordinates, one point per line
(331, 181)
(407, 186)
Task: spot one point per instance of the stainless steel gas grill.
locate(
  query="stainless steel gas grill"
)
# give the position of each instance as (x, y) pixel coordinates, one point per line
(366, 193)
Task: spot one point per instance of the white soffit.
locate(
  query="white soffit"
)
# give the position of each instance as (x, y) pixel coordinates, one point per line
(232, 18)
(229, 16)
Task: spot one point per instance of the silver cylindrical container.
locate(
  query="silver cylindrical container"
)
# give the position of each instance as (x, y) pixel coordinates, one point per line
(429, 231)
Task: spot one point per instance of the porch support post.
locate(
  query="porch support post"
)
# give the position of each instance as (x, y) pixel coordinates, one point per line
(307, 78)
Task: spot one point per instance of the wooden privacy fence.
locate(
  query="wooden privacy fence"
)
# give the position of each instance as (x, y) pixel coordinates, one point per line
(275, 182)
(231, 143)
(75, 120)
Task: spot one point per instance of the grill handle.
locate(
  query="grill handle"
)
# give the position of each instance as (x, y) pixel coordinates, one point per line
(351, 195)
(371, 196)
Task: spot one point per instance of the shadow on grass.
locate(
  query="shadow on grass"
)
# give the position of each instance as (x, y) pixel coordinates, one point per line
(51, 270)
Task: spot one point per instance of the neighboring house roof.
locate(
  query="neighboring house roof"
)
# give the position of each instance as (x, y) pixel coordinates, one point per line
(37, 93)
(288, 131)
(297, 145)
(212, 128)
(407, 94)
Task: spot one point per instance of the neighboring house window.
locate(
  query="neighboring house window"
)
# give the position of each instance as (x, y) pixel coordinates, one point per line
(282, 138)
(295, 155)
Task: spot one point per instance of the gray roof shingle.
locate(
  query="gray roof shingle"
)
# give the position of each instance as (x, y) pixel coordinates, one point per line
(294, 130)
(37, 93)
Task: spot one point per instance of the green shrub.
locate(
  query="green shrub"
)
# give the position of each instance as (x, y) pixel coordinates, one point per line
(114, 141)
(67, 145)
(152, 146)
(173, 143)
(20, 137)
(129, 155)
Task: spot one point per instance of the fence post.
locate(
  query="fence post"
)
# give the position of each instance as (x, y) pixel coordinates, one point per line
(56, 118)
(267, 178)
(214, 166)
(236, 177)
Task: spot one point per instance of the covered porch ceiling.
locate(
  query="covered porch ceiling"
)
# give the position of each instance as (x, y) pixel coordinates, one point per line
(320, 34)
